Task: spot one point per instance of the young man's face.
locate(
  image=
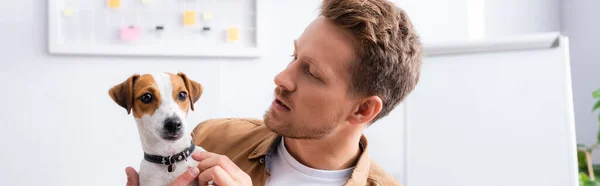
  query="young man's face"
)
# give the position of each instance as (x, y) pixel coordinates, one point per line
(311, 98)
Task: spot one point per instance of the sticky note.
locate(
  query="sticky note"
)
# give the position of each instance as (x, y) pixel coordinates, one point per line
(189, 18)
(114, 3)
(129, 33)
(233, 34)
(68, 12)
(146, 1)
(207, 16)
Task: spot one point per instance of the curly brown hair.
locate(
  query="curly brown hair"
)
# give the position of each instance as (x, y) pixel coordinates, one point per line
(388, 50)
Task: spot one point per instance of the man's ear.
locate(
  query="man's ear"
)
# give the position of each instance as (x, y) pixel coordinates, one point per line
(194, 89)
(122, 93)
(366, 110)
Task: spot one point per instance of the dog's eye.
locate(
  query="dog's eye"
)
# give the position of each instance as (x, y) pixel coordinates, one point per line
(182, 96)
(146, 98)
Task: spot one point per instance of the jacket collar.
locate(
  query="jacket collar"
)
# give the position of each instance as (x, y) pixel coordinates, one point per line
(359, 174)
(361, 171)
(265, 146)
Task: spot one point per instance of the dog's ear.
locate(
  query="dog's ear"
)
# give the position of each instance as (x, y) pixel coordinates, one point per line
(194, 89)
(122, 93)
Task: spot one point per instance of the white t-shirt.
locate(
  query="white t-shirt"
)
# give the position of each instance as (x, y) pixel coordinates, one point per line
(287, 171)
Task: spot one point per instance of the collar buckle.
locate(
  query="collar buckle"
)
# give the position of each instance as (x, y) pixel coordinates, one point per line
(167, 160)
(170, 161)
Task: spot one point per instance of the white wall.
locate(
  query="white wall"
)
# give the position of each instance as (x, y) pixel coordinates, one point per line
(518, 17)
(446, 21)
(579, 22)
(459, 20)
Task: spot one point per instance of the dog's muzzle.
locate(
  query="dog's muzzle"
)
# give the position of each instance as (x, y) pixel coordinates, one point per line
(172, 128)
(173, 124)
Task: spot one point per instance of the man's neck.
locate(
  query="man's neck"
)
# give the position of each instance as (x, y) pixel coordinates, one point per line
(330, 153)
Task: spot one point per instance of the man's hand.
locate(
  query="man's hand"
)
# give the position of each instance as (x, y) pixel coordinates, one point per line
(220, 169)
(186, 178)
(133, 179)
(215, 168)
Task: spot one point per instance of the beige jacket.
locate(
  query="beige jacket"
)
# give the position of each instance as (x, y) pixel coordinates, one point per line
(248, 143)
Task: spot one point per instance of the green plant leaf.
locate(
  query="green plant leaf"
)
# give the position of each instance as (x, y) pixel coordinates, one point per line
(591, 183)
(596, 169)
(596, 94)
(582, 178)
(581, 161)
(596, 106)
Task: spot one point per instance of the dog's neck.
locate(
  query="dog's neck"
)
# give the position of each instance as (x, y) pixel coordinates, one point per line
(161, 147)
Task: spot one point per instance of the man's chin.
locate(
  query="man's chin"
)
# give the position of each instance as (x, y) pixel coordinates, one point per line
(281, 129)
(273, 123)
(268, 119)
(284, 128)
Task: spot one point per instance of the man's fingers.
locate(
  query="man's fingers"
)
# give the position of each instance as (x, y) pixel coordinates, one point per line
(201, 155)
(207, 160)
(215, 174)
(218, 160)
(186, 178)
(132, 177)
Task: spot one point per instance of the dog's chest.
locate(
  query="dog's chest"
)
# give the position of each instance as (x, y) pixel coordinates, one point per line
(152, 174)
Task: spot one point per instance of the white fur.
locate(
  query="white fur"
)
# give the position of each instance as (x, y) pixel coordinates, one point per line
(150, 128)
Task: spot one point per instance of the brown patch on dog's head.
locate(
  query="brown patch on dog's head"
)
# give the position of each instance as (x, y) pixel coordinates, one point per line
(139, 94)
(193, 88)
(180, 92)
(146, 89)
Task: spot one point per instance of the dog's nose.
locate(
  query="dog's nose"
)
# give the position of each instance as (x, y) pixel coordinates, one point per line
(173, 124)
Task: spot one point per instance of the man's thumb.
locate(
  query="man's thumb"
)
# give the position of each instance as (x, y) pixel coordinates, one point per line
(132, 177)
(187, 177)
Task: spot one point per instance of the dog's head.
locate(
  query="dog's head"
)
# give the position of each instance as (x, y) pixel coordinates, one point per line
(159, 102)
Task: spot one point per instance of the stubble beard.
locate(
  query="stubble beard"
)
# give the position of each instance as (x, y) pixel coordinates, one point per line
(288, 130)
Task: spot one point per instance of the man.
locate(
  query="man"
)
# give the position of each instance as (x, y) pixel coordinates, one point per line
(351, 66)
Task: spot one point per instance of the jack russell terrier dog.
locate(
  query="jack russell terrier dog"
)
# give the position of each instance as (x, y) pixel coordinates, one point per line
(160, 104)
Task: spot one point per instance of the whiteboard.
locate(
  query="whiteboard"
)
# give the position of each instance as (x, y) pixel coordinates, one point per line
(493, 113)
(210, 28)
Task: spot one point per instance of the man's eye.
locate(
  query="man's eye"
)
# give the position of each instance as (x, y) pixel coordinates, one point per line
(310, 73)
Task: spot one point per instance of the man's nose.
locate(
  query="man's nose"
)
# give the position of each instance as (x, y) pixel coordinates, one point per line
(284, 79)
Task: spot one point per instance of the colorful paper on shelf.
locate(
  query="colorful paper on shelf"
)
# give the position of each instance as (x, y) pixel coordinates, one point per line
(67, 12)
(233, 34)
(189, 18)
(146, 1)
(129, 33)
(207, 16)
(114, 3)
